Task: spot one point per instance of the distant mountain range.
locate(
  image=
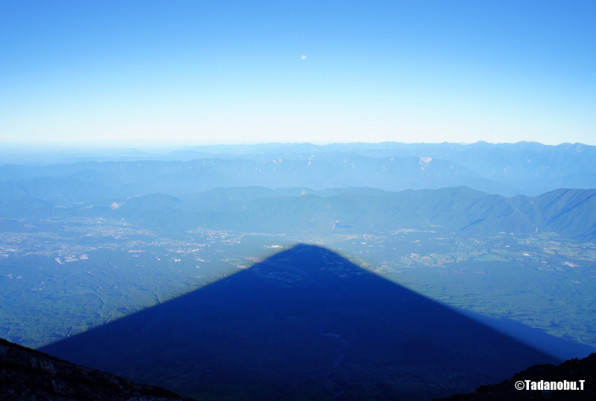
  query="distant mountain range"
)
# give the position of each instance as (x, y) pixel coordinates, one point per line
(460, 210)
(506, 169)
(478, 188)
(303, 324)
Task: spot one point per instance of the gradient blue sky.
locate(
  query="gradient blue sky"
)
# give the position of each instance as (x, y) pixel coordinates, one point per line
(179, 72)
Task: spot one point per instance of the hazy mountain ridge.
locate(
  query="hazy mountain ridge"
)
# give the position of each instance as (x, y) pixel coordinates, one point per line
(462, 210)
(568, 212)
(506, 169)
(175, 177)
(563, 211)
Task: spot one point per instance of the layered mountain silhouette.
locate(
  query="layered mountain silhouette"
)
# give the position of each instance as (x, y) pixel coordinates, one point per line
(462, 210)
(304, 324)
(29, 375)
(567, 212)
(507, 169)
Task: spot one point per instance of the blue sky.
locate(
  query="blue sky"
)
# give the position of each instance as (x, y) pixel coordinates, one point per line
(138, 72)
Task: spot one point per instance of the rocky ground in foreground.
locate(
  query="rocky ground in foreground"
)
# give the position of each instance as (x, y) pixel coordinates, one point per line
(26, 374)
(571, 370)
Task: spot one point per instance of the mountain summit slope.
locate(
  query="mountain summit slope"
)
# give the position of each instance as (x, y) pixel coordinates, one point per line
(303, 324)
(26, 374)
(572, 370)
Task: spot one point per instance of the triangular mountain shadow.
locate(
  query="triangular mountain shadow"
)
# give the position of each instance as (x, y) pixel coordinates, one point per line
(304, 324)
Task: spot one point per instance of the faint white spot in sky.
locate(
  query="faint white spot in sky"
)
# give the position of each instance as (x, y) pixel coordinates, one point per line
(303, 57)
